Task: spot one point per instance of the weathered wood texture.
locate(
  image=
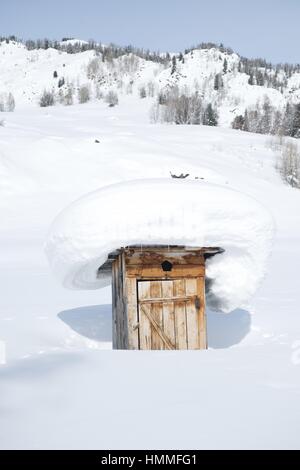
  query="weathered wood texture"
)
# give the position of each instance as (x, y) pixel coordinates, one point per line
(158, 309)
(119, 304)
(172, 314)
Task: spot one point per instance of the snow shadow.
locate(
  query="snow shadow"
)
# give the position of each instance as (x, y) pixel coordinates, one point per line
(37, 367)
(225, 330)
(93, 322)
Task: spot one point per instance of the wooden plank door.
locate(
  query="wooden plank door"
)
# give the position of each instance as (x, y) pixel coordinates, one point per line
(171, 314)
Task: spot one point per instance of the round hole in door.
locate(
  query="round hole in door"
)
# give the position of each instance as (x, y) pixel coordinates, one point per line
(167, 266)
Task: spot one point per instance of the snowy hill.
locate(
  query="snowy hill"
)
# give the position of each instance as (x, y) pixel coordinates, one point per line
(219, 77)
(60, 381)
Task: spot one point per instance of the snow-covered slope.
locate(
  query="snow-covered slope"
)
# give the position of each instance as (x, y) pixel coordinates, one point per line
(27, 73)
(59, 389)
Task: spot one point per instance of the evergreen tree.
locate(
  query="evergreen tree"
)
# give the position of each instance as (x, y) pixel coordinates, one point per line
(260, 79)
(61, 82)
(143, 93)
(295, 128)
(225, 66)
(251, 79)
(246, 122)
(265, 123)
(30, 45)
(174, 65)
(238, 123)
(218, 83)
(55, 75)
(210, 117)
(288, 117)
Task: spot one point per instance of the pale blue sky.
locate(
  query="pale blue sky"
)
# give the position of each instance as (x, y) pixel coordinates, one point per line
(266, 28)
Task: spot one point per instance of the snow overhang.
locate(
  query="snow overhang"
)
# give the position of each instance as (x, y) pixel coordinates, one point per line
(165, 212)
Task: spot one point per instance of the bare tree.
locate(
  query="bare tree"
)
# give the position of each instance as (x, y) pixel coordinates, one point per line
(10, 103)
(142, 92)
(47, 99)
(112, 98)
(180, 107)
(99, 92)
(154, 113)
(94, 68)
(150, 89)
(84, 94)
(289, 164)
(68, 98)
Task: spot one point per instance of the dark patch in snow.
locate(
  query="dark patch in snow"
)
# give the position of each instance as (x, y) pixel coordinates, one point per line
(93, 322)
(226, 330)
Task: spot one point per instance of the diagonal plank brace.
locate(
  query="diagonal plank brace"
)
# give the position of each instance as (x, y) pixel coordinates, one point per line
(158, 330)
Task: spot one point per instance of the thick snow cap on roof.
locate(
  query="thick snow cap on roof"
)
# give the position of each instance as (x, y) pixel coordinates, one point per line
(165, 212)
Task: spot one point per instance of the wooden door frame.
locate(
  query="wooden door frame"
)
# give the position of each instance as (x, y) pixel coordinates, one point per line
(202, 324)
(132, 264)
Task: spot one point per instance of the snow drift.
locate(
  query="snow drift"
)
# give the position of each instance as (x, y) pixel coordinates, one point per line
(168, 212)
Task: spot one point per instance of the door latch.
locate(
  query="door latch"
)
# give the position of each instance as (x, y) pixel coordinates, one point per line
(197, 303)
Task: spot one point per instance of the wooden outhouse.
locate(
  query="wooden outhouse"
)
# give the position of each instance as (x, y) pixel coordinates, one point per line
(158, 297)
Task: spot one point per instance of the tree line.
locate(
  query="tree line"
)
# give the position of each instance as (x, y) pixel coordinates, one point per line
(179, 107)
(266, 119)
(111, 51)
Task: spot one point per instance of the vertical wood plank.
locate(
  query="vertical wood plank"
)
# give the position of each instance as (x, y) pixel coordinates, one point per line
(114, 306)
(120, 322)
(156, 310)
(119, 304)
(132, 313)
(143, 290)
(122, 306)
(180, 315)
(117, 301)
(168, 311)
(144, 323)
(192, 315)
(201, 313)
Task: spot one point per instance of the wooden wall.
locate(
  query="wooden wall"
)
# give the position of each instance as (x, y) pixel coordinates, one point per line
(119, 304)
(150, 313)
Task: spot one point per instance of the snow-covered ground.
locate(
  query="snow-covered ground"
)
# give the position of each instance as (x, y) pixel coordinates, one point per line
(61, 385)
